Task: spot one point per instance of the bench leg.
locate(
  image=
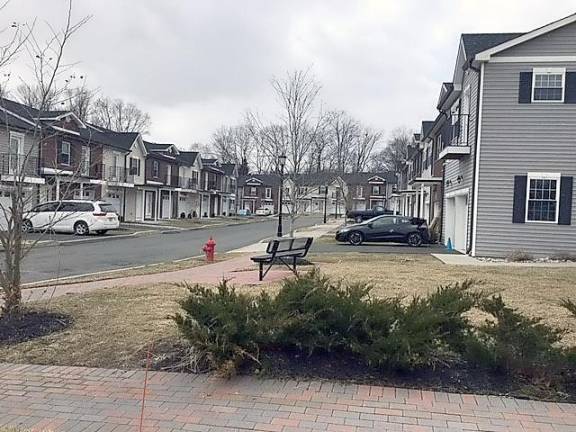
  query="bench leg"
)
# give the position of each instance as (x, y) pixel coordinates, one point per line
(294, 264)
(261, 272)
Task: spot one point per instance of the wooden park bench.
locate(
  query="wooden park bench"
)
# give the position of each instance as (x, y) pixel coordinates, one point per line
(283, 250)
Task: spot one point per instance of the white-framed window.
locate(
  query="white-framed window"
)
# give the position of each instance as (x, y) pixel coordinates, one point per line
(17, 155)
(65, 153)
(360, 191)
(542, 197)
(253, 191)
(155, 169)
(548, 84)
(376, 190)
(268, 193)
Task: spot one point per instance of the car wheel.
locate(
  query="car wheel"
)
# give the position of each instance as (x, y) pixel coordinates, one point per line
(355, 238)
(101, 232)
(27, 226)
(415, 239)
(358, 219)
(81, 228)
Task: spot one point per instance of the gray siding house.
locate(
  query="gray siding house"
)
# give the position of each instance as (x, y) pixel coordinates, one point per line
(509, 157)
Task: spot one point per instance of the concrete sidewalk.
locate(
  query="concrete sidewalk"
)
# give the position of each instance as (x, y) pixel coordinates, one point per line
(240, 271)
(315, 231)
(76, 399)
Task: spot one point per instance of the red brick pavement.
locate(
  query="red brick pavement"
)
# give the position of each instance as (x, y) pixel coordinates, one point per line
(76, 399)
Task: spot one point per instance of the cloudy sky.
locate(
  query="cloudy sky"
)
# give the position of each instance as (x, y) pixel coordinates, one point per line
(197, 64)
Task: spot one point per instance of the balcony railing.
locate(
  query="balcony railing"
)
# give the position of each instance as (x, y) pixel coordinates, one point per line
(187, 183)
(213, 185)
(118, 174)
(459, 130)
(18, 165)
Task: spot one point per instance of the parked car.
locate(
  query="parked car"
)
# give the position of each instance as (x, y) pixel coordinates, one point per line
(386, 228)
(362, 215)
(263, 211)
(243, 212)
(74, 216)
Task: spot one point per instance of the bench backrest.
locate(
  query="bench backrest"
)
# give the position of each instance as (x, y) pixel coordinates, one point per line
(290, 244)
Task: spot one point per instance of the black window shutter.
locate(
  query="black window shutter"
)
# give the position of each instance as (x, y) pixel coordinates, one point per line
(565, 208)
(570, 88)
(519, 206)
(525, 88)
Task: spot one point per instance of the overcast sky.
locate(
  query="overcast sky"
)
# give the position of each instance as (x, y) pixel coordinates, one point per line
(197, 64)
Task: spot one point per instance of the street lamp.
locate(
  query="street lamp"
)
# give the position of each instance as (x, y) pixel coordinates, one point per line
(281, 164)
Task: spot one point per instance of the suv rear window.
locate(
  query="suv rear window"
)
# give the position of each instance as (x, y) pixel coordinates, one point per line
(107, 208)
(77, 207)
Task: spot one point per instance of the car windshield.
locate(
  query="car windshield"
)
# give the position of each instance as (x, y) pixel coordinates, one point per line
(371, 220)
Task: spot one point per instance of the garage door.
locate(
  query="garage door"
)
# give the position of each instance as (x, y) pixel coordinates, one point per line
(113, 197)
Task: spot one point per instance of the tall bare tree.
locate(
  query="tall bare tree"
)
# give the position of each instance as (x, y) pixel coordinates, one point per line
(234, 144)
(362, 149)
(79, 100)
(47, 64)
(119, 116)
(395, 154)
(343, 132)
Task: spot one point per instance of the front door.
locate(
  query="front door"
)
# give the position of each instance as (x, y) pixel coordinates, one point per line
(149, 204)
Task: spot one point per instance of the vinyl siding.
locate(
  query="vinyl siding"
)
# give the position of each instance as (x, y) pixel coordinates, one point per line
(517, 139)
(559, 42)
(463, 167)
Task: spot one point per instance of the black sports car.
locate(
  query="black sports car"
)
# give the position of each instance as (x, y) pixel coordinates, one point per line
(387, 228)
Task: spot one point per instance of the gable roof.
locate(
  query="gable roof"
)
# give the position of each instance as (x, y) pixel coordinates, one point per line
(188, 157)
(426, 127)
(120, 140)
(265, 179)
(485, 53)
(228, 168)
(474, 43)
(363, 177)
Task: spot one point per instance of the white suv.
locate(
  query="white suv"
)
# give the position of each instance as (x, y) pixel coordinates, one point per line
(74, 216)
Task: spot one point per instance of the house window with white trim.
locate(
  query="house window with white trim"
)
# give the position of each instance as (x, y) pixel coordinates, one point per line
(375, 190)
(252, 191)
(359, 191)
(155, 169)
(542, 198)
(548, 84)
(268, 193)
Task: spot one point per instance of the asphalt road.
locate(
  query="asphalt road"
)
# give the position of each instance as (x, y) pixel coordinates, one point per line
(75, 259)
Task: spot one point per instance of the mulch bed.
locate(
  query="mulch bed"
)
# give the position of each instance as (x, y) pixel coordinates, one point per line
(31, 324)
(348, 369)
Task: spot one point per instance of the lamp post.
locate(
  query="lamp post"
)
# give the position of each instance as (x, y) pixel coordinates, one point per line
(325, 201)
(281, 164)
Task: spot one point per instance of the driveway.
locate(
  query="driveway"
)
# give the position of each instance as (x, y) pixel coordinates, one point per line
(70, 259)
(328, 246)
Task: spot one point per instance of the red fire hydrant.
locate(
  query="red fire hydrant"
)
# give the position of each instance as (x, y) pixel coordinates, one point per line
(209, 249)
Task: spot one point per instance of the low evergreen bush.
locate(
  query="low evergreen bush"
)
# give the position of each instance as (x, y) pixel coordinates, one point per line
(313, 314)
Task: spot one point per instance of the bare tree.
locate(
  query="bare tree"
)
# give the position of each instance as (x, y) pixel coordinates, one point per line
(120, 116)
(234, 144)
(362, 149)
(46, 59)
(32, 95)
(395, 154)
(80, 101)
(343, 132)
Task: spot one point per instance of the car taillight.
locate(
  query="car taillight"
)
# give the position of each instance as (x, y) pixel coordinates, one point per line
(99, 214)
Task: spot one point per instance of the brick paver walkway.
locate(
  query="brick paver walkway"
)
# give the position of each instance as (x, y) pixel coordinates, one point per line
(79, 399)
(240, 271)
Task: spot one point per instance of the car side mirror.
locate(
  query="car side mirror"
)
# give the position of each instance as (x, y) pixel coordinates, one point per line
(370, 225)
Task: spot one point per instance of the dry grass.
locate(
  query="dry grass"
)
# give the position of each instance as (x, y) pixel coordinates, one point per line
(112, 328)
(535, 291)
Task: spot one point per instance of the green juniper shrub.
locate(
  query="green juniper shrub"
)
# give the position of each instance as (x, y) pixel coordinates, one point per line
(313, 314)
(428, 331)
(512, 343)
(226, 328)
(569, 305)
